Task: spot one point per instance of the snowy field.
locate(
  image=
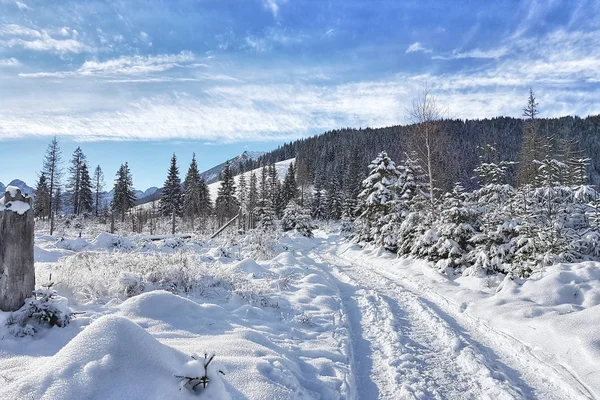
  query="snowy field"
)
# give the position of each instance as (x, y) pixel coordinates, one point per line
(295, 318)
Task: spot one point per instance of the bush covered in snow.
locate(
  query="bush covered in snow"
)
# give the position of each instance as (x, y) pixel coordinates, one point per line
(44, 310)
(495, 228)
(298, 219)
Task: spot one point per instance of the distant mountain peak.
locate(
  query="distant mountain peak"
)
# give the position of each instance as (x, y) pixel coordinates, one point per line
(251, 155)
(212, 175)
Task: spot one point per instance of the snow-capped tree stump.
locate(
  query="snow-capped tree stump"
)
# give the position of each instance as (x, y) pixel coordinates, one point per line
(17, 274)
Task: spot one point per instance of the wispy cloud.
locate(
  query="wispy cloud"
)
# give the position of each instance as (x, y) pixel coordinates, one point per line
(417, 47)
(126, 65)
(9, 62)
(475, 53)
(273, 5)
(13, 35)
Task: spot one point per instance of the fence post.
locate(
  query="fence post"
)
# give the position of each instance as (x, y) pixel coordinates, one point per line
(17, 273)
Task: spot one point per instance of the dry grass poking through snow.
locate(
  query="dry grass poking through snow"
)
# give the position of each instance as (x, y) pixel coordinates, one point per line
(91, 277)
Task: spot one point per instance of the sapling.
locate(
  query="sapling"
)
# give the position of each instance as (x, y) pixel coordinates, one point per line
(193, 383)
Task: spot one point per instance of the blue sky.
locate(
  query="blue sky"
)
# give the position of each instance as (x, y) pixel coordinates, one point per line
(138, 80)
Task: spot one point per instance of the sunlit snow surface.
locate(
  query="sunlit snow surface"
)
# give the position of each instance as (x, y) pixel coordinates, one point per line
(317, 319)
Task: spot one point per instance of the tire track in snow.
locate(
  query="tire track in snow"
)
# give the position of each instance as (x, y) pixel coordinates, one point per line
(536, 375)
(421, 357)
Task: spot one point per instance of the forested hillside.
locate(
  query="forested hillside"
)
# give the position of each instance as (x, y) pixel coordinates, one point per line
(327, 156)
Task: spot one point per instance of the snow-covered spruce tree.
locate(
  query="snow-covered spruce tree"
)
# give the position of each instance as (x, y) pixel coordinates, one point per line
(226, 204)
(192, 194)
(267, 220)
(547, 233)
(44, 310)
(495, 201)
(275, 191)
(171, 197)
(74, 181)
(86, 201)
(124, 196)
(206, 205)
(414, 207)
(98, 188)
(41, 204)
(290, 190)
(334, 201)
(378, 201)
(317, 205)
(296, 218)
(449, 239)
(252, 202)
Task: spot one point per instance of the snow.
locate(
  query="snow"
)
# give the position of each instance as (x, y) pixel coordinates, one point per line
(111, 358)
(549, 321)
(281, 168)
(13, 191)
(20, 207)
(320, 318)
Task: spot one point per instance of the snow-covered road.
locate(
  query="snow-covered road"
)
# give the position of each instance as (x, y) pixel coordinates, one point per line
(408, 343)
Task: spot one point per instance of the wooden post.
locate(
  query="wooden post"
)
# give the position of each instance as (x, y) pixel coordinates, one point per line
(17, 273)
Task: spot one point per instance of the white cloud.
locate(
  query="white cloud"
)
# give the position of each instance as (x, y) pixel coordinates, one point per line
(37, 40)
(9, 62)
(18, 30)
(417, 47)
(273, 5)
(476, 53)
(126, 65)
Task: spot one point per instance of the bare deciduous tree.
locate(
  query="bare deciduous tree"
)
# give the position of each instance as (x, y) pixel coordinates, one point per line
(426, 115)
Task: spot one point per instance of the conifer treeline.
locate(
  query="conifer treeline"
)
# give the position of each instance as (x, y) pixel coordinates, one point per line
(553, 215)
(326, 157)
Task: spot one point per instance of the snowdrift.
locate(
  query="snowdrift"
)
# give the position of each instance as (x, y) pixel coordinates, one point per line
(113, 358)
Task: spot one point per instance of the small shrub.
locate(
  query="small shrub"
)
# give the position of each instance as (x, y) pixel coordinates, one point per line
(44, 310)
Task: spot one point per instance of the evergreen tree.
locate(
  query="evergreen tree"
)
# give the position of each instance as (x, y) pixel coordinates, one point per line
(253, 199)
(253, 196)
(378, 199)
(531, 144)
(98, 188)
(124, 195)
(296, 218)
(335, 201)
(226, 204)
(317, 208)
(290, 189)
(264, 187)
(171, 197)
(275, 191)
(193, 192)
(243, 192)
(86, 202)
(354, 176)
(53, 172)
(206, 206)
(74, 181)
(42, 198)
(412, 182)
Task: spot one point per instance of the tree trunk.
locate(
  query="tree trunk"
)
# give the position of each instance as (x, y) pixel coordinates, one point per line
(173, 223)
(17, 273)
